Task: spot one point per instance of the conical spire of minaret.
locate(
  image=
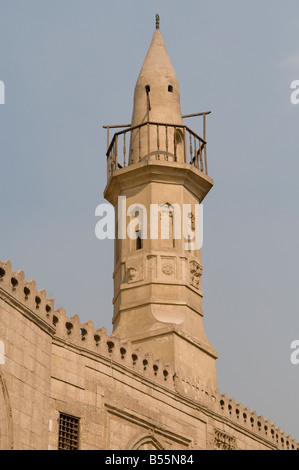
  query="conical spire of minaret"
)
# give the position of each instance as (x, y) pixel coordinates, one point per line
(157, 94)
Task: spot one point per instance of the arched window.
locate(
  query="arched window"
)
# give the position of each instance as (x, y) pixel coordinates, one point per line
(145, 442)
(137, 227)
(170, 224)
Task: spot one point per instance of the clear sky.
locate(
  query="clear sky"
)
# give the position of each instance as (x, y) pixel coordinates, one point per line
(70, 67)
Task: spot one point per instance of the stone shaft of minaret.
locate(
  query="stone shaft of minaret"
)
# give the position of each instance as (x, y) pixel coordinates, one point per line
(156, 101)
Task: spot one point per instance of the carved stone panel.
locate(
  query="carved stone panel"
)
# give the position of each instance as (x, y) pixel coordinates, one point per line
(134, 271)
(168, 267)
(224, 441)
(195, 274)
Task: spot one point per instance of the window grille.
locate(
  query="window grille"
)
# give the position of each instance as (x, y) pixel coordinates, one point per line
(68, 432)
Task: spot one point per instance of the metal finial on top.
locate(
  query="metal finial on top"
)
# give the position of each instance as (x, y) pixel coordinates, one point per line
(157, 21)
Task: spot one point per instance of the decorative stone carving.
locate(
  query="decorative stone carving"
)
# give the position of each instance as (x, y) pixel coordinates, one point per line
(224, 441)
(134, 270)
(168, 266)
(131, 272)
(192, 219)
(168, 269)
(195, 274)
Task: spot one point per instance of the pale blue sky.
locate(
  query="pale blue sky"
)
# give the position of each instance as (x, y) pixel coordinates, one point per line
(70, 67)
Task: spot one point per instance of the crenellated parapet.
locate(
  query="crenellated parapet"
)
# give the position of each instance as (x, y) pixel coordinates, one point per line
(244, 417)
(196, 391)
(85, 336)
(235, 413)
(24, 294)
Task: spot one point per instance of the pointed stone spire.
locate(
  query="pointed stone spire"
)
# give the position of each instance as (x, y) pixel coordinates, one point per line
(157, 93)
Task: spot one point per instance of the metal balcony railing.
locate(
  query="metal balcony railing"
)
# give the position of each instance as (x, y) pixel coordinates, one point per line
(156, 141)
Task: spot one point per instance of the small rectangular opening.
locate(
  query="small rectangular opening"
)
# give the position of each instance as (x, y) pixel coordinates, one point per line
(138, 240)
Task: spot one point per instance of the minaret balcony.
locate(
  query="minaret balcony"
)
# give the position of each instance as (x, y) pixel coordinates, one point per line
(156, 141)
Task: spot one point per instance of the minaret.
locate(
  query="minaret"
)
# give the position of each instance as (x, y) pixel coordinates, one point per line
(157, 177)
